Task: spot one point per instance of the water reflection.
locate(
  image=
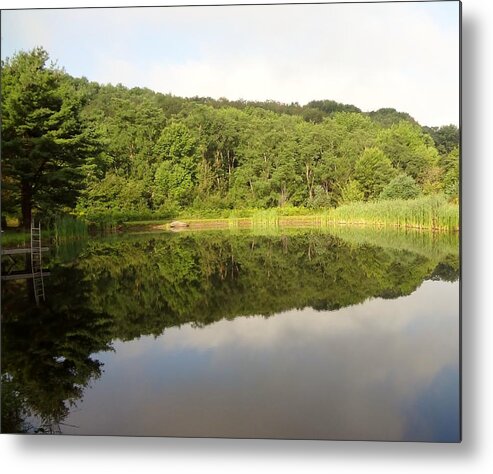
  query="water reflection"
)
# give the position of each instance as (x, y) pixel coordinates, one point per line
(376, 359)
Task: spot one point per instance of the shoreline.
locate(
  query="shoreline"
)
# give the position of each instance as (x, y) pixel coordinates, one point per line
(13, 238)
(308, 221)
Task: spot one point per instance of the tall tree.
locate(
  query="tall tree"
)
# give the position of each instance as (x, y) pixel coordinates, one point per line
(387, 117)
(452, 173)
(373, 170)
(446, 138)
(43, 139)
(410, 149)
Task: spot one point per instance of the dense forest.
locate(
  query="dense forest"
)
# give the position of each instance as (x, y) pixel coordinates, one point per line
(75, 147)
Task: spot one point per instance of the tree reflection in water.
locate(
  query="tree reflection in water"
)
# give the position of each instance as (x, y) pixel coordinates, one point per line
(133, 285)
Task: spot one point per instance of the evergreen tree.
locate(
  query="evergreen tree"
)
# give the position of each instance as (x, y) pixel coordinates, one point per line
(43, 139)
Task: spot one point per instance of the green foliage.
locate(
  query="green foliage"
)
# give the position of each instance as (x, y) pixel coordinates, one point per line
(101, 151)
(14, 238)
(44, 141)
(433, 180)
(114, 192)
(451, 174)
(330, 107)
(430, 212)
(352, 192)
(172, 183)
(61, 229)
(68, 227)
(373, 170)
(388, 117)
(320, 198)
(409, 149)
(446, 138)
(111, 219)
(176, 143)
(400, 187)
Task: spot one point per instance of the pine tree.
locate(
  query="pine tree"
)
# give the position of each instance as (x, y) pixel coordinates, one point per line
(44, 142)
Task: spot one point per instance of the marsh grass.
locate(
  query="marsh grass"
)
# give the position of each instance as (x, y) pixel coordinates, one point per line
(430, 212)
(67, 228)
(13, 238)
(268, 218)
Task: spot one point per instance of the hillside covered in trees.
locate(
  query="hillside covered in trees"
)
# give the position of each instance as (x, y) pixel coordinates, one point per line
(71, 146)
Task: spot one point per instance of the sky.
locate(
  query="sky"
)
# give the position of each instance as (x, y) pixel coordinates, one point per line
(402, 55)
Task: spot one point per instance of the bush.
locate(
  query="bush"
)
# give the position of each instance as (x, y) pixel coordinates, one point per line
(320, 199)
(401, 187)
(352, 192)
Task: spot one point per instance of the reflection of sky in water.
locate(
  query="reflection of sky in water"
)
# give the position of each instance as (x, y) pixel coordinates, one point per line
(385, 369)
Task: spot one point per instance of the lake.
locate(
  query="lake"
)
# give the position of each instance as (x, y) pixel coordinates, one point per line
(343, 333)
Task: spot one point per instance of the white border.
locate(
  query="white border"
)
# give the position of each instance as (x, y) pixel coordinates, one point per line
(106, 454)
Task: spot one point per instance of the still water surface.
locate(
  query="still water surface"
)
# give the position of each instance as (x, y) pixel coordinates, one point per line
(345, 334)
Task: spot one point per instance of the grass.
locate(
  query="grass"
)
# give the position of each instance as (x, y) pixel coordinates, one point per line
(430, 212)
(268, 218)
(109, 220)
(62, 229)
(66, 228)
(15, 238)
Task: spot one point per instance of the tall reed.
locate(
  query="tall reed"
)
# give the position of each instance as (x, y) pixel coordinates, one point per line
(429, 212)
(66, 227)
(268, 218)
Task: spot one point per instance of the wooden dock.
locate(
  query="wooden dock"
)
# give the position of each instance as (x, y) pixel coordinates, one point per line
(23, 275)
(21, 251)
(37, 272)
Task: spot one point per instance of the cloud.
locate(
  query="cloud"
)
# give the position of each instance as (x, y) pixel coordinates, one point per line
(373, 56)
(398, 55)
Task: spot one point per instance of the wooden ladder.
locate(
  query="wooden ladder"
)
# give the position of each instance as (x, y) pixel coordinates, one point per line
(36, 265)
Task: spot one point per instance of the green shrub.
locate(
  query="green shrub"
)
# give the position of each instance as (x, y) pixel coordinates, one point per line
(400, 187)
(352, 192)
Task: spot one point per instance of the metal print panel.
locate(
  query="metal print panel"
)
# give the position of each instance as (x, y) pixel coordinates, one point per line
(232, 221)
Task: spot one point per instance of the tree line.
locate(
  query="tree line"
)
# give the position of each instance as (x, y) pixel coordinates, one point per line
(74, 146)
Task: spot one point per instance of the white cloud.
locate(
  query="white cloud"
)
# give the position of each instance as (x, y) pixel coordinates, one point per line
(370, 55)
